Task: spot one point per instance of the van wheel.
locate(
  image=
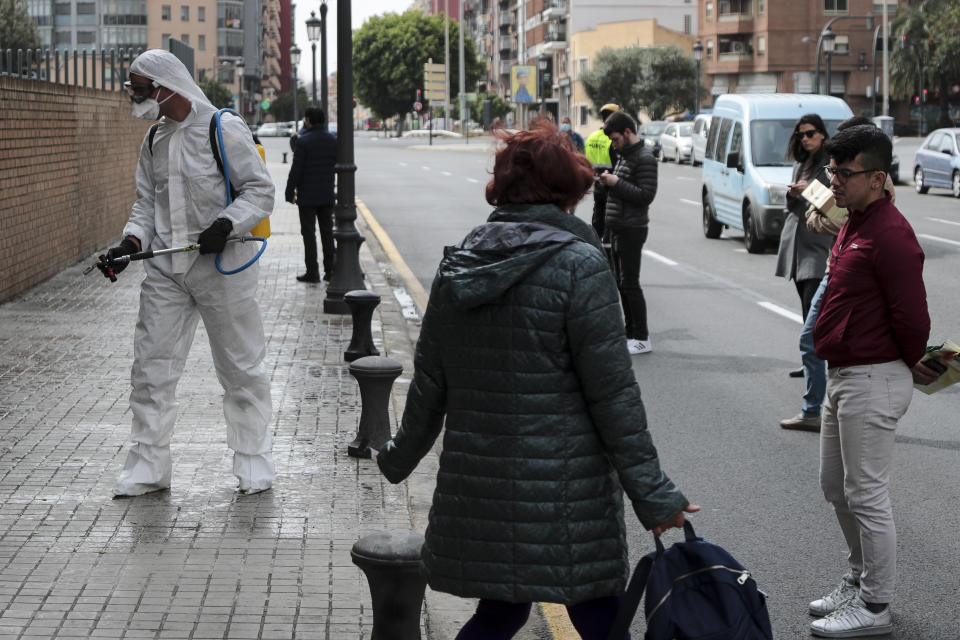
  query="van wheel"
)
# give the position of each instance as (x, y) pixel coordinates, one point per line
(751, 232)
(711, 228)
(918, 181)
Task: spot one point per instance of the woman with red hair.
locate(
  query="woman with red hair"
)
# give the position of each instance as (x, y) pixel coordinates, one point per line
(522, 358)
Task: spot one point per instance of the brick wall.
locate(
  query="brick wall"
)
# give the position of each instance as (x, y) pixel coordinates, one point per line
(68, 156)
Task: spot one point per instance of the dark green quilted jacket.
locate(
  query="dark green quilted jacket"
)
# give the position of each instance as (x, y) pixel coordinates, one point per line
(522, 350)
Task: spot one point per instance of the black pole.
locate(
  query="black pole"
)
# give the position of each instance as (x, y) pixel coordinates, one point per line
(347, 275)
(313, 47)
(323, 68)
(827, 55)
(873, 76)
(696, 109)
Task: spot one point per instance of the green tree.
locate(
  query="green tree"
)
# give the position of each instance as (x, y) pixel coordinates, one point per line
(652, 79)
(282, 107)
(926, 53)
(389, 52)
(217, 93)
(17, 30)
(499, 108)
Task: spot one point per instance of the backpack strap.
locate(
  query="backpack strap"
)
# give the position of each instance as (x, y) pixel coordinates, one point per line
(215, 147)
(630, 600)
(152, 135)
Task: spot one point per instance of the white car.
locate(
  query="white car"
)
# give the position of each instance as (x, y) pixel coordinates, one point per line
(273, 130)
(676, 142)
(701, 127)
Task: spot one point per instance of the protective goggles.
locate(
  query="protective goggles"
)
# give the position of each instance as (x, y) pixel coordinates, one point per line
(140, 91)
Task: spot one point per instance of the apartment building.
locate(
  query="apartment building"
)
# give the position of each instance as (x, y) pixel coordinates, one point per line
(762, 46)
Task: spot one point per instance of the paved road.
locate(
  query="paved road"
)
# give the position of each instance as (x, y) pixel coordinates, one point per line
(716, 383)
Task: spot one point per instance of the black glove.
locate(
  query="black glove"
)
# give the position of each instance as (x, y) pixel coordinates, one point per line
(214, 238)
(125, 248)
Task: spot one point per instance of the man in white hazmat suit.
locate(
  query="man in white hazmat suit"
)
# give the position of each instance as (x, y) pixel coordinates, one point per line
(181, 200)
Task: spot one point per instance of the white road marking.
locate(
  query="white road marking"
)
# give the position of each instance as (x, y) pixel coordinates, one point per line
(693, 202)
(402, 164)
(945, 221)
(938, 239)
(474, 180)
(446, 173)
(685, 178)
(425, 168)
(780, 311)
(657, 256)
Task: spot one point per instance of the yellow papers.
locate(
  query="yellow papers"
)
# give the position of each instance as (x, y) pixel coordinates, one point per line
(821, 197)
(943, 357)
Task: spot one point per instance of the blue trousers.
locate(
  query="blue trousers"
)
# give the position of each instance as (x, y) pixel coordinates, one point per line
(814, 369)
(496, 620)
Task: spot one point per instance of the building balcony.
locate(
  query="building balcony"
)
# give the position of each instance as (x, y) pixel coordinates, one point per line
(555, 34)
(556, 10)
(506, 19)
(505, 66)
(508, 43)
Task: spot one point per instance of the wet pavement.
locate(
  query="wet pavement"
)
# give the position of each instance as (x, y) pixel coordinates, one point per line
(200, 561)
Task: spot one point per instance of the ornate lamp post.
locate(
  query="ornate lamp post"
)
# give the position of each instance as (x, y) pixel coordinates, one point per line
(829, 42)
(294, 61)
(239, 66)
(698, 56)
(323, 65)
(313, 34)
(347, 275)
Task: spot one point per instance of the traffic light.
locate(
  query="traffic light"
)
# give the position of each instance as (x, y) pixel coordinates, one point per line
(916, 99)
(903, 42)
(419, 95)
(354, 103)
(923, 98)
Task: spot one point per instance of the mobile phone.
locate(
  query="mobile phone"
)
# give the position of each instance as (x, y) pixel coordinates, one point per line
(936, 365)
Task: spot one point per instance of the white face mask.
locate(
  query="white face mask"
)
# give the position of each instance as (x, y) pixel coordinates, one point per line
(149, 109)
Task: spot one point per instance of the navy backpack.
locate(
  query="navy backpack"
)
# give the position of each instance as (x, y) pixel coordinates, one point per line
(695, 590)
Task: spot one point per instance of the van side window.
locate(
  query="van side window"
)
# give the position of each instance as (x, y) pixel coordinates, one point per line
(722, 139)
(712, 138)
(736, 142)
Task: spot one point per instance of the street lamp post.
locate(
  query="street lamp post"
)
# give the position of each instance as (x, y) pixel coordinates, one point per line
(323, 65)
(827, 33)
(347, 275)
(313, 34)
(294, 61)
(239, 67)
(829, 42)
(542, 66)
(697, 56)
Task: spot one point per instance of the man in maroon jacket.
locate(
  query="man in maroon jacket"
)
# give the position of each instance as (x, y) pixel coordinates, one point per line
(872, 331)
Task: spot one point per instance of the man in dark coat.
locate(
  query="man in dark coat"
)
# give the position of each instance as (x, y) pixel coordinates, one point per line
(310, 187)
(630, 190)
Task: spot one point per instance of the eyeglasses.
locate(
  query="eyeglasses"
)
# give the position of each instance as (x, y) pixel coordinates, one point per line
(809, 133)
(843, 175)
(139, 91)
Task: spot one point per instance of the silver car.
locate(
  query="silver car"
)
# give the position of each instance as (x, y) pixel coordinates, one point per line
(701, 127)
(676, 142)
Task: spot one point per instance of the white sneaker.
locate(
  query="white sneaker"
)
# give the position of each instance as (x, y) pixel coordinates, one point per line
(853, 620)
(845, 591)
(636, 347)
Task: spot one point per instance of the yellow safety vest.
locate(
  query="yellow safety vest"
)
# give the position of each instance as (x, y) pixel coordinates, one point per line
(598, 148)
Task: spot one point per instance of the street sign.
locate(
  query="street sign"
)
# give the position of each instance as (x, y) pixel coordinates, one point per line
(418, 106)
(470, 97)
(434, 81)
(265, 105)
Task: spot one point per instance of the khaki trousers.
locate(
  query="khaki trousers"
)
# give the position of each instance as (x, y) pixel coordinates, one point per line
(860, 413)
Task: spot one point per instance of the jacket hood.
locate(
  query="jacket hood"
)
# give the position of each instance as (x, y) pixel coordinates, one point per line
(516, 240)
(166, 70)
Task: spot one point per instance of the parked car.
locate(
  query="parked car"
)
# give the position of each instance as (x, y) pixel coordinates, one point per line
(701, 127)
(937, 162)
(676, 142)
(745, 165)
(650, 132)
(273, 129)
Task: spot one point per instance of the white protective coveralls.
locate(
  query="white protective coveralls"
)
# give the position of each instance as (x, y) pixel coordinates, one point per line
(180, 192)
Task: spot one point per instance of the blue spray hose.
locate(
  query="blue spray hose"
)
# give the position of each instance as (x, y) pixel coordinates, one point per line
(226, 176)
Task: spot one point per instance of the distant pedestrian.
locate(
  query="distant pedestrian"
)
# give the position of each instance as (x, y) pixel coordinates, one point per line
(181, 200)
(575, 137)
(872, 330)
(310, 185)
(814, 369)
(802, 255)
(631, 188)
(602, 156)
(521, 361)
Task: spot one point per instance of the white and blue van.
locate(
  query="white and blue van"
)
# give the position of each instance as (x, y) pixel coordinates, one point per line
(746, 168)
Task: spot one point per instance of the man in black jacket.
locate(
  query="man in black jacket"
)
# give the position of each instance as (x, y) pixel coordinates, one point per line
(310, 187)
(630, 190)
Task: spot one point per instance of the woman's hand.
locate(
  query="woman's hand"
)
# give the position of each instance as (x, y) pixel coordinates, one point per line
(797, 187)
(676, 520)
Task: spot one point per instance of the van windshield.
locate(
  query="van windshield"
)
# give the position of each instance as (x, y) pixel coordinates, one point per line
(769, 140)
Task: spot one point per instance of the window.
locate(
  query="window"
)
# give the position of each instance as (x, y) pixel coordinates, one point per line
(841, 46)
(184, 13)
(761, 7)
(709, 49)
(878, 7)
(835, 6)
(687, 22)
(736, 145)
(584, 112)
(201, 14)
(583, 65)
(202, 42)
(708, 11)
(165, 41)
(736, 7)
(165, 12)
(761, 45)
(722, 138)
(185, 38)
(712, 138)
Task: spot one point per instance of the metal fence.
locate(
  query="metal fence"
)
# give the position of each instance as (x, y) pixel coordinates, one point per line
(104, 69)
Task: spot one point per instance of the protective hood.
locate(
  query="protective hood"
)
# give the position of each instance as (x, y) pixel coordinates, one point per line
(499, 254)
(166, 70)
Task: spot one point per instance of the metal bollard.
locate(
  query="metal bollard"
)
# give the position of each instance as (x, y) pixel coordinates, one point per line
(361, 303)
(391, 563)
(375, 375)
(284, 161)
